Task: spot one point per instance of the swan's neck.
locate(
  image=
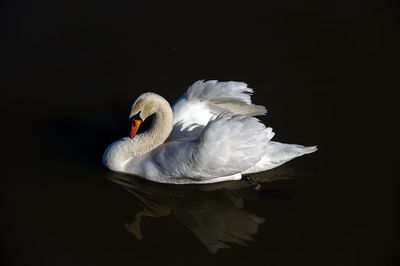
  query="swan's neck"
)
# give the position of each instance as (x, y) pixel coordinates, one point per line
(156, 134)
(126, 149)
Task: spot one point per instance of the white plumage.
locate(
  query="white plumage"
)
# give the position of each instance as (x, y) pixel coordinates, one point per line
(208, 136)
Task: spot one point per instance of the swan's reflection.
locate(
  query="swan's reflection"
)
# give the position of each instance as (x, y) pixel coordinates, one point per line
(213, 212)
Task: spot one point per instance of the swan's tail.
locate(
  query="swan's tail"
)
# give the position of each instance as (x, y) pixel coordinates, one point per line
(278, 154)
(309, 149)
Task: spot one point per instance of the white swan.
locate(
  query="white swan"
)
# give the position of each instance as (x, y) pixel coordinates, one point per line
(208, 136)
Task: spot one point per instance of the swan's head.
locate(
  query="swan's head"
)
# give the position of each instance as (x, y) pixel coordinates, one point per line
(147, 104)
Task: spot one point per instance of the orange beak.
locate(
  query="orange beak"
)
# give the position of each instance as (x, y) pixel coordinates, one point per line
(135, 127)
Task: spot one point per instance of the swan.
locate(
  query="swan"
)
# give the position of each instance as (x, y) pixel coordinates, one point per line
(209, 135)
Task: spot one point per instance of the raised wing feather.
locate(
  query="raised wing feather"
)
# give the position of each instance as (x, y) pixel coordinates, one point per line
(207, 99)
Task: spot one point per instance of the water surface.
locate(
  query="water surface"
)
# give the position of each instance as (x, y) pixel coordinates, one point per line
(70, 72)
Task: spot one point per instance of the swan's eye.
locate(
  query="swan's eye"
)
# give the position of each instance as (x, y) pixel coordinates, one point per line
(146, 124)
(135, 117)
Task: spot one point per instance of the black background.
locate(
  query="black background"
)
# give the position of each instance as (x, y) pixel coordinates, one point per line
(327, 71)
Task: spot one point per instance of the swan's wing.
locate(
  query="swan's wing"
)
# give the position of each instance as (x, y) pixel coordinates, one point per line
(207, 99)
(228, 145)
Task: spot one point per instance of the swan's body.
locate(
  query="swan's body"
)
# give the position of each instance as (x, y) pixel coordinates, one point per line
(208, 136)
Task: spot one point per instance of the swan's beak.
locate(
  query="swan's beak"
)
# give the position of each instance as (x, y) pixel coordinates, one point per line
(135, 127)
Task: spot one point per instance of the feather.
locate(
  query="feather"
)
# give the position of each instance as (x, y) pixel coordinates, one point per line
(227, 146)
(206, 99)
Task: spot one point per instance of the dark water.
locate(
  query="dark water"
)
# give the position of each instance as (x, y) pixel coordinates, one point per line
(326, 72)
